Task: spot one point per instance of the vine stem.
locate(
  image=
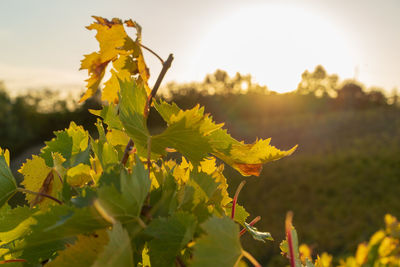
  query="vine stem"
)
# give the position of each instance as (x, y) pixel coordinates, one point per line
(151, 51)
(236, 197)
(253, 222)
(250, 258)
(39, 194)
(14, 260)
(289, 226)
(166, 65)
(128, 148)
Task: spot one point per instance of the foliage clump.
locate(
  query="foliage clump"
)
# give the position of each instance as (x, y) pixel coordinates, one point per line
(119, 196)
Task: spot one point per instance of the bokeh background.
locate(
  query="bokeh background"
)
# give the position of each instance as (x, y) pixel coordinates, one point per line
(320, 74)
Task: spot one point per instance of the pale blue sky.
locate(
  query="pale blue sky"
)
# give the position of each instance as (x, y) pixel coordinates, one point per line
(42, 41)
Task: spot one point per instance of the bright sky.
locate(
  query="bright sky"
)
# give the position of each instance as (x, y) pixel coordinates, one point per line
(42, 42)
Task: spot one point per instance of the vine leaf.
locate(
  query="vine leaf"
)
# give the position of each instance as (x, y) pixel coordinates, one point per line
(96, 69)
(116, 47)
(187, 132)
(124, 202)
(104, 151)
(71, 143)
(109, 115)
(14, 223)
(118, 251)
(132, 103)
(220, 246)
(88, 247)
(38, 177)
(248, 159)
(245, 158)
(8, 185)
(54, 229)
(240, 213)
(170, 236)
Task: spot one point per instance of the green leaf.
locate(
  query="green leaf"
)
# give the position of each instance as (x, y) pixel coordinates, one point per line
(55, 228)
(118, 251)
(246, 158)
(284, 246)
(127, 203)
(110, 117)
(257, 235)
(205, 186)
(8, 185)
(83, 252)
(240, 213)
(165, 197)
(170, 236)
(71, 143)
(105, 152)
(132, 103)
(187, 132)
(11, 218)
(220, 246)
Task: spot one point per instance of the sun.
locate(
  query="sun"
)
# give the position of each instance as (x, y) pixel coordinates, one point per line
(274, 43)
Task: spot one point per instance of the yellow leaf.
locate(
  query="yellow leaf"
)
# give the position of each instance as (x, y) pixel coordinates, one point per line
(79, 175)
(38, 177)
(376, 238)
(305, 253)
(362, 253)
(6, 155)
(124, 68)
(110, 36)
(96, 170)
(325, 260)
(117, 138)
(223, 185)
(208, 165)
(96, 69)
(387, 246)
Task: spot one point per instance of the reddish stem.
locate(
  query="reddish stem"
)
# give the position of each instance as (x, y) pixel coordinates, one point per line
(236, 197)
(253, 222)
(289, 227)
(10, 261)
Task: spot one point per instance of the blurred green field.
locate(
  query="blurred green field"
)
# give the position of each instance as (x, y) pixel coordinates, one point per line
(341, 181)
(344, 177)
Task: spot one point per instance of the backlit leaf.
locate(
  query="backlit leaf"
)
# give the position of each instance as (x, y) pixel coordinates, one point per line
(88, 247)
(246, 158)
(8, 185)
(38, 177)
(132, 104)
(118, 251)
(220, 246)
(127, 203)
(56, 228)
(71, 143)
(169, 237)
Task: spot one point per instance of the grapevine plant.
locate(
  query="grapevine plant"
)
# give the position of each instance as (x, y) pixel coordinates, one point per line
(120, 199)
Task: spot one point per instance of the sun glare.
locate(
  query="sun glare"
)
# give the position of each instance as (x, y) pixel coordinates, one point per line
(275, 44)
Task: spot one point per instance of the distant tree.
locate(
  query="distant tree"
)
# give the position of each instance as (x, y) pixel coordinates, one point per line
(318, 83)
(376, 97)
(394, 98)
(219, 83)
(351, 95)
